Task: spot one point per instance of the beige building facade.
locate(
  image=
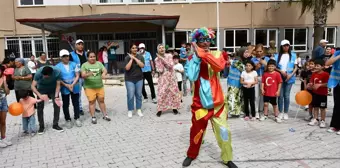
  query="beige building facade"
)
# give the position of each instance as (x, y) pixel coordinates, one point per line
(240, 21)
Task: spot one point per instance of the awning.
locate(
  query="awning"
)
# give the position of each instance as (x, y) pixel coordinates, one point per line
(64, 23)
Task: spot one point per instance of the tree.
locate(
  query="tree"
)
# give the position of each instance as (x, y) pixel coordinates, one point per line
(320, 10)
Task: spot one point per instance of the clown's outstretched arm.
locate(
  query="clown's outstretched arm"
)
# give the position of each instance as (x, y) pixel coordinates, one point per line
(193, 68)
(217, 64)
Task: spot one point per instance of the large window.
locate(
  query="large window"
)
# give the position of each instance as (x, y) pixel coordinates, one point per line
(330, 36)
(110, 1)
(234, 39)
(175, 39)
(27, 46)
(142, 1)
(297, 39)
(31, 2)
(264, 36)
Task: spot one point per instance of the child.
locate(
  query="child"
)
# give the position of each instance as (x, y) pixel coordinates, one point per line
(178, 67)
(306, 74)
(318, 85)
(183, 50)
(271, 86)
(28, 119)
(248, 80)
(4, 91)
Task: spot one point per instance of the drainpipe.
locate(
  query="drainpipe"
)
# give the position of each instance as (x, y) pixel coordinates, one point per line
(14, 20)
(218, 24)
(252, 21)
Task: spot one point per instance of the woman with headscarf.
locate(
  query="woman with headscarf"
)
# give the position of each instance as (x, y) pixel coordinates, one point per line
(168, 93)
(22, 78)
(234, 98)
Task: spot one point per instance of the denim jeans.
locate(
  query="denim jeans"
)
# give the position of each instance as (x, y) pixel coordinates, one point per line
(106, 65)
(259, 96)
(81, 83)
(225, 71)
(28, 124)
(284, 97)
(66, 104)
(134, 90)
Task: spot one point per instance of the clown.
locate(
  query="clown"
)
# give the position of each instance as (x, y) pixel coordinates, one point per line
(208, 99)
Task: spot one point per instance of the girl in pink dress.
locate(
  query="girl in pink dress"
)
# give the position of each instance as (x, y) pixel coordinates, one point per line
(168, 94)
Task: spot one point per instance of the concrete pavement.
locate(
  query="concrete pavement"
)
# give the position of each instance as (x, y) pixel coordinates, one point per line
(152, 142)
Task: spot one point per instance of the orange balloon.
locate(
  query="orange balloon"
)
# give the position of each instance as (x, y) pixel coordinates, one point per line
(303, 98)
(15, 109)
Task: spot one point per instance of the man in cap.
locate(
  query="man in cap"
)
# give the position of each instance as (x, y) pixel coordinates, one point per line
(69, 87)
(148, 71)
(319, 51)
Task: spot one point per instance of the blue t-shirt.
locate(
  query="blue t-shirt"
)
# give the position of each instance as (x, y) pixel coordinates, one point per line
(47, 85)
(255, 60)
(67, 75)
(183, 52)
(318, 52)
(147, 62)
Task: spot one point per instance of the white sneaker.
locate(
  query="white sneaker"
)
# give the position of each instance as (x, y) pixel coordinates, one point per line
(130, 114)
(331, 130)
(263, 118)
(322, 124)
(308, 118)
(338, 133)
(78, 123)
(280, 116)
(2, 145)
(257, 116)
(154, 101)
(145, 100)
(278, 120)
(68, 124)
(285, 116)
(313, 122)
(5, 141)
(139, 112)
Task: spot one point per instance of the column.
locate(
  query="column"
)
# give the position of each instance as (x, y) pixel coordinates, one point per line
(163, 34)
(44, 39)
(310, 40)
(221, 40)
(337, 42)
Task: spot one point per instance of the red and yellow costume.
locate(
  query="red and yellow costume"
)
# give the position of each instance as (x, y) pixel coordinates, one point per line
(208, 102)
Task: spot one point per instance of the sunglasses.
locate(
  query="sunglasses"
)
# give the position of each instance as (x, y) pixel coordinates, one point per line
(202, 40)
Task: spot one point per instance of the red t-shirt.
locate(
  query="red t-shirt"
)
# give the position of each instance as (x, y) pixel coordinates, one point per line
(320, 78)
(270, 82)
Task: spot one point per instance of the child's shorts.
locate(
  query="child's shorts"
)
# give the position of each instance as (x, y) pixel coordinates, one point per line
(271, 100)
(3, 105)
(319, 101)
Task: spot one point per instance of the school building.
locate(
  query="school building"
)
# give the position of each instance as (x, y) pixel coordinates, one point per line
(33, 26)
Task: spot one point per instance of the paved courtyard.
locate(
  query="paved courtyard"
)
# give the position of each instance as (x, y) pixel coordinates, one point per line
(151, 142)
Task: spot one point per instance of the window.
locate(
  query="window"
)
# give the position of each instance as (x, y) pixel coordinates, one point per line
(175, 39)
(31, 2)
(27, 46)
(142, 1)
(110, 1)
(297, 39)
(264, 36)
(234, 39)
(330, 36)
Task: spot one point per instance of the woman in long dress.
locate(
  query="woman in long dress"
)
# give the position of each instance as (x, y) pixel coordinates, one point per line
(168, 93)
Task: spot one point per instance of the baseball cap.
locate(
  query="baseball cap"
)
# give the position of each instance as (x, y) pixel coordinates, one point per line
(323, 41)
(63, 52)
(285, 42)
(79, 41)
(141, 45)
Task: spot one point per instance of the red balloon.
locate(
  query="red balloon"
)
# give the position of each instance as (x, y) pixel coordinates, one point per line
(303, 98)
(15, 109)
